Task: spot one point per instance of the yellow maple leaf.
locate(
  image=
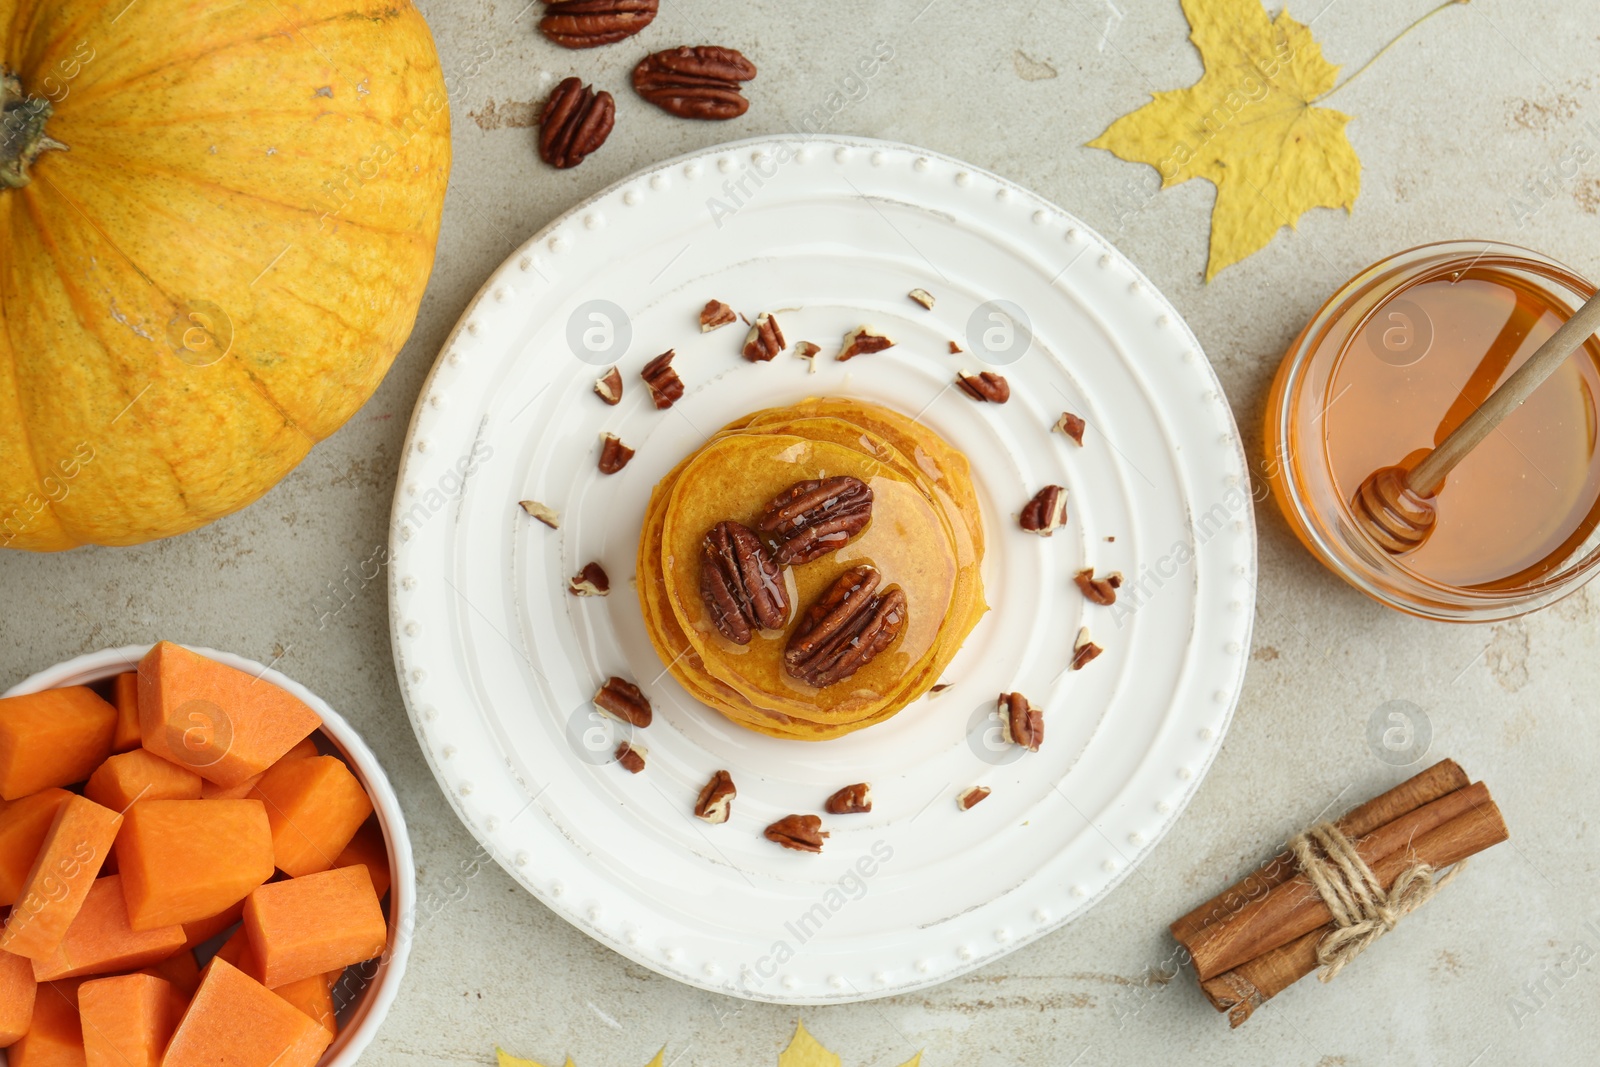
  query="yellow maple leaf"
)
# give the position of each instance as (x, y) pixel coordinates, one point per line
(806, 1051)
(1249, 126)
(803, 1051)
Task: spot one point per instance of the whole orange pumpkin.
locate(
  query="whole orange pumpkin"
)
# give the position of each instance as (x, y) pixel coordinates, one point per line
(216, 224)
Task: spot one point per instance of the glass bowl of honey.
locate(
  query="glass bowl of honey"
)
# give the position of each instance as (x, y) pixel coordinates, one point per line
(1389, 366)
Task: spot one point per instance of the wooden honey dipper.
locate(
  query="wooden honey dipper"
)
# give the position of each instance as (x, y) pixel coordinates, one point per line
(1396, 506)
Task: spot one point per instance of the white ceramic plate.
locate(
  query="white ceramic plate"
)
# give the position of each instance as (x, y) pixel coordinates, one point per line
(375, 994)
(498, 662)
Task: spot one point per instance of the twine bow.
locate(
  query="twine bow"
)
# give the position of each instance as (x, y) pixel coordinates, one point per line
(1362, 910)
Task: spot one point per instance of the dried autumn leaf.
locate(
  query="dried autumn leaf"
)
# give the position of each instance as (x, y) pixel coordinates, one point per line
(806, 1051)
(1249, 126)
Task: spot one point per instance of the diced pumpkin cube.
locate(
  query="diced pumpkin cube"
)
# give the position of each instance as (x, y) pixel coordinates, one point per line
(125, 697)
(302, 750)
(367, 847)
(185, 860)
(180, 969)
(56, 737)
(235, 1020)
(314, 924)
(17, 989)
(315, 807)
(236, 950)
(23, 826)
(314, 996)
(74, 850)
(55, 1036)
(221, 723)
(127, 1020)
(140, 775)
(200, 931)
(100, 940)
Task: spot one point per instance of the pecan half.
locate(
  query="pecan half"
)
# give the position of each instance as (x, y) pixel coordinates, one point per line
(715, 802)
(808, 352)
(591, 23)
(863, 341)
(764, 340)
(1046, 512)
(575, 121)
(614, 455)
(715, 314)
(846, 629)
(1102, 591)
(1084, 650)
(1072, 426)
(666, 388)
(591, 581)
(631, 758)
(695, 83)
(621, 699)
(543, 512)
(970, 797)
(851, 800)
(803, 833)
(985, 386)
(923, 297)
(1020, 722)
(815, 517)
(608, 387)
(742, 587)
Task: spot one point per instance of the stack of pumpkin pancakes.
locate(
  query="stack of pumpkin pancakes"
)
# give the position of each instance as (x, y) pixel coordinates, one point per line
(924, 537)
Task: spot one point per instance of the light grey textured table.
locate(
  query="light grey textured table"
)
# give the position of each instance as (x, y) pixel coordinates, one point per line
(1462, 130)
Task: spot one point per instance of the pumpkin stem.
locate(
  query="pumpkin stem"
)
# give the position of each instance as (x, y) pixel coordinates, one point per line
(22, 136)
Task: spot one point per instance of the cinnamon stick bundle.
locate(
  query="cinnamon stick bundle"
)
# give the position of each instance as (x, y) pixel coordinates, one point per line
(1262, 935)
(1295, 908)
(1443, 777)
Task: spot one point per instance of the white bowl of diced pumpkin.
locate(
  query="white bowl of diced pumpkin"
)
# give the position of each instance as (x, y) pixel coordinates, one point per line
(200, 863)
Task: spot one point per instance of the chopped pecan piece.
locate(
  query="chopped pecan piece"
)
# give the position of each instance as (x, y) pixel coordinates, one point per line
(715, 314)
(941, 687)
(816, 516)
(863, 341)
(715, 802)
(923, 297)
(851, 800)
(591, 23)
(1046, 512)
(955, 349)
(1102, 591)
(808, 352)
(984, 386)
(1020, 722)
(764, 340)
(1072, 426)
(975, 795)
(1084, 650)
(608, 387)
(666, 388)
(621, 699)
(575, 121)
(614, 455)
(545, 514)
(591, 581)
(695, 83)
(742, 587)
(803, 833)
(846, 629)
(631, 757)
